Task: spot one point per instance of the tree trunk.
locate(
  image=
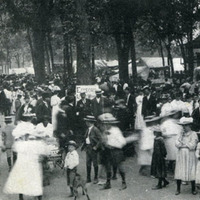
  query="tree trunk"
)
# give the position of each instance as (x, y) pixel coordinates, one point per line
(190, 54)
(133, 59)
(39, 59)
(84, 70)
(183, 53)
(50, 51)
(169, 55)
(161, 52)
(93, 60)
(123, 49)
(31, 45)
(47, 57)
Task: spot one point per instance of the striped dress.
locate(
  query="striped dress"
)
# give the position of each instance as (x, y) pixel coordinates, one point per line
(185, 169)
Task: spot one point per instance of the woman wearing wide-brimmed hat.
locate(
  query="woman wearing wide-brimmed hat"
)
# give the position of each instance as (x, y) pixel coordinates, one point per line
(146, 144)
(170, 131)
(114, 141)
(186, 143)
(26, 177)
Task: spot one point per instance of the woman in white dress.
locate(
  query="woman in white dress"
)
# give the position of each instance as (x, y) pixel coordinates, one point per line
(186, 143)
(146, 143)
(170, 131)
(26, 175)
(139, 119)
(55, 101)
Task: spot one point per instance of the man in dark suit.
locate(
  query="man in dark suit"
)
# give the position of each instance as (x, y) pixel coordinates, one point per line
(26, 108)
(98, 104)
(92, 144)
(149, 103)
(43, 108)
(83, 106)
(130, 105)
(196, 118)
(83, 109)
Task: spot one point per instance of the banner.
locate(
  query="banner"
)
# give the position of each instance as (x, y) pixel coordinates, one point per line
(88, 89)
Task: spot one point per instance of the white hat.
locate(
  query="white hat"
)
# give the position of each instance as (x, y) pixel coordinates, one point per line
(185, 120)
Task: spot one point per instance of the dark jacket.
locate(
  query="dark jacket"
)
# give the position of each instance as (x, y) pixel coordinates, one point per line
(42, 110)
(131, 104)
(148, 106)
(22, 111)
(95, 138)
(158, 167)
(84, 108)
(196, 119)
(98, 108)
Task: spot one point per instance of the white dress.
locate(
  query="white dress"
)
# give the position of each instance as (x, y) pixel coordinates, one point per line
(198, 164)
(26, 175)
(146, 146)
(45, 131)
(165, 109)
(185, 169)
(55, 101)
(170, 131)
(139, 119)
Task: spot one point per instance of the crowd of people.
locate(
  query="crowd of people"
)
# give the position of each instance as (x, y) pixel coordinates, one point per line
(164, 120)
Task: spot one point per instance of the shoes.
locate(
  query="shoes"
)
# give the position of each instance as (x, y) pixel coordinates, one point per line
(194, 192)
(95, 181)
(114, 178)
(71, 195)
(102, 182)
(123, 186)
(157, 187)
(88, 181)
(166, 183)
(177, 192)
(106, 186)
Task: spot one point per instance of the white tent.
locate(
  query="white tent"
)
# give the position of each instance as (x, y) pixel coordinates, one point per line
(156, 62)
(26, 70)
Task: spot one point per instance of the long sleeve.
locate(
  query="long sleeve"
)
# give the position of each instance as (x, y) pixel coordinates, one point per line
(192, 143)
(178, 143)
(197, 151)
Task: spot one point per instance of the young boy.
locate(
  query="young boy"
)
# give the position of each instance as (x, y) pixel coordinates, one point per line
(158, 167)
(71, 163)
(8, 141)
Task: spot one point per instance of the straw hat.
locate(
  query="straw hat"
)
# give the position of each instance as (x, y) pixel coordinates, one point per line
(185, 121)
(8, 119)
(108, 118)
(171, 112)
(73, 143)
(99, 91)
(90, 118)
(152, 118)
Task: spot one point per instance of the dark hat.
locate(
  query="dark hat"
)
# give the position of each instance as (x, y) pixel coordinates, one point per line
(8, 119)
(73, 143)
(90, 118)
(46, 117)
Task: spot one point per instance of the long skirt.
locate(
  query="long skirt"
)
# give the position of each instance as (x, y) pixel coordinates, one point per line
(25, 177)
(185, 169)
(170, 147)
